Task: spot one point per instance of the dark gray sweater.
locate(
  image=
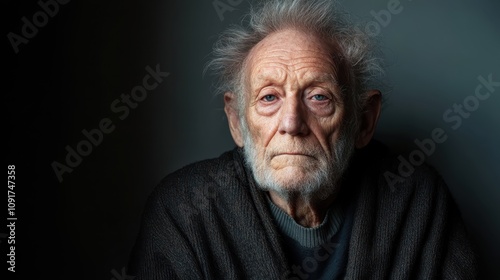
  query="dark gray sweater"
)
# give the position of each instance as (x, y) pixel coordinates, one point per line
(208, 220)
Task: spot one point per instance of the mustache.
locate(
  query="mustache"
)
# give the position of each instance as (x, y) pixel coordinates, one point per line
(314, 151)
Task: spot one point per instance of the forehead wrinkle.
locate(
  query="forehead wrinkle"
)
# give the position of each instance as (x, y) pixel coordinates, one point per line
(320, 77)
(308, 71)
(271, 74)
(302, 76)
(292, 51)
(296, 63)
(291, 57)
(279, 61)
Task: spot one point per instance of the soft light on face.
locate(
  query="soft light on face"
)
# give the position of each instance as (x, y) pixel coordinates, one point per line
(293, 121)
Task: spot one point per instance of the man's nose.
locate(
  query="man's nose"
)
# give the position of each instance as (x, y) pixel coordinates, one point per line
(293, 118)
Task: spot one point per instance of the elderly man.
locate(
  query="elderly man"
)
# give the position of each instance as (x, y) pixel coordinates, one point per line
(304, 195)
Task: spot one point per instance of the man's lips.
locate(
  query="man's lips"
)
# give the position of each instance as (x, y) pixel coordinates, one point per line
(292, 154)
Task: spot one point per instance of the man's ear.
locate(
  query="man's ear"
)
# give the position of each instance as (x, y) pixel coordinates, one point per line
(230, 105)
(369, 118)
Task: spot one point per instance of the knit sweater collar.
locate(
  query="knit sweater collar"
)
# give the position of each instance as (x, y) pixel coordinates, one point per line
(308, 237)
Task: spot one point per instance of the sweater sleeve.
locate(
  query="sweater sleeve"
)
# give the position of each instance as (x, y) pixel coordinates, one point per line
(413, 230)
(161, 251)
(460, 260)
(446, 249)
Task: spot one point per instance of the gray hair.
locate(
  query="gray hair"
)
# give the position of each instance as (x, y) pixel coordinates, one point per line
(323, 18)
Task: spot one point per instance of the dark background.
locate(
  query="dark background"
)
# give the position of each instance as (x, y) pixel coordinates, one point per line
(90, 52)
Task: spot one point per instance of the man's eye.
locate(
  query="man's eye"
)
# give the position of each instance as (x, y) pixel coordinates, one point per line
(269, 98)
(319, 97)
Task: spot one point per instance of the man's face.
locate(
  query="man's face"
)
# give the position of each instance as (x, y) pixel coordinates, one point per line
(293, 115)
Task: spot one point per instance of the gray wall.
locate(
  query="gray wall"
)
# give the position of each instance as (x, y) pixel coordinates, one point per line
(67, 76)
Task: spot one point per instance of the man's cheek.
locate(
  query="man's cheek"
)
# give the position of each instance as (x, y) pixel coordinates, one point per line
(259, 138)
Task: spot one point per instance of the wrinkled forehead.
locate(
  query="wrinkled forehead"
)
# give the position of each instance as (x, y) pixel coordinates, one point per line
(306, 55)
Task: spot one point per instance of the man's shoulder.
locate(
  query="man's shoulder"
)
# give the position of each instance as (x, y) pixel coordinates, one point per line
(199, 184)
(402, 198)
(200, 174)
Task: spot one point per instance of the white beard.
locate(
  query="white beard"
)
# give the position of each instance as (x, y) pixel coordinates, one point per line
(318, 181)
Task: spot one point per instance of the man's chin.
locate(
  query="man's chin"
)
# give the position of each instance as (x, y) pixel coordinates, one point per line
(295, 180)
(292, 177)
